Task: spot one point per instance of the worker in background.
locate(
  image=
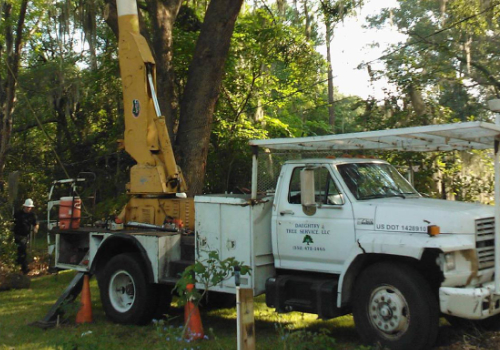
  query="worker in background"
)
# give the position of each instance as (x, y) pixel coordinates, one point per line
(25, 220)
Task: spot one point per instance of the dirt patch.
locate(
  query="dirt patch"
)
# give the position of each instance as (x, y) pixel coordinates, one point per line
(39, 266)
(14, 281)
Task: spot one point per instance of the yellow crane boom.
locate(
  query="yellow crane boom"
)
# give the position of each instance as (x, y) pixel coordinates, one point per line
(155, 179)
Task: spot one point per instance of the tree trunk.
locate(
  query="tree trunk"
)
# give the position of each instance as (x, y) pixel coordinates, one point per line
(163, 14)
(308, 28)
(417, 101)
(281, 5)
(8, 86)
(111, 16)
(202, 90)
(331, 106)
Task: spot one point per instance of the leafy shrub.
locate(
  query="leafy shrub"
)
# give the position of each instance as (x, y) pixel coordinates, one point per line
(210, 272)
(8, 249)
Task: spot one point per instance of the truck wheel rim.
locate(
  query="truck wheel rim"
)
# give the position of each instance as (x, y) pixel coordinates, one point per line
(389, 312)
(122, 291)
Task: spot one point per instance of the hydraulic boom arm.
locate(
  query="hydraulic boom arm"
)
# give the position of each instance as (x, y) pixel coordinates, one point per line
(146, 136)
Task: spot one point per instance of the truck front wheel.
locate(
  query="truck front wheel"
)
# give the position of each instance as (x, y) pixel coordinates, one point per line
(126, 295)
(394, 306)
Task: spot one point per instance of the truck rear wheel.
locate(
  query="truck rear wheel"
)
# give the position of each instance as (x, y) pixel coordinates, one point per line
(394, 306)
(126, 295)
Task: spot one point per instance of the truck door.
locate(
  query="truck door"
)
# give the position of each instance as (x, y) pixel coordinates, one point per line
(315, 239)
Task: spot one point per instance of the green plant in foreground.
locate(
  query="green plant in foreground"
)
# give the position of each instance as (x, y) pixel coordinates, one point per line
(209, 273)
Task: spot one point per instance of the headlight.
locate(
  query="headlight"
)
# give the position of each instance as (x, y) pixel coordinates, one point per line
(449, 261)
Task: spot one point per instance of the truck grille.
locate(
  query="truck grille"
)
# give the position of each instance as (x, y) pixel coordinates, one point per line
(485, 242)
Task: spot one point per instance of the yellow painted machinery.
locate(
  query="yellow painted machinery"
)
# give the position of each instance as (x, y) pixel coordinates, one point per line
(156, 183)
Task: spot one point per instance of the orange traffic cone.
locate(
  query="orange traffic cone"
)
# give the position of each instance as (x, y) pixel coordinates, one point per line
(84, 315)
(194, 328)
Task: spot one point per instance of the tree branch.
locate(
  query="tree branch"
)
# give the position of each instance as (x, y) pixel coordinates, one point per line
(28, 126)
(480, 67)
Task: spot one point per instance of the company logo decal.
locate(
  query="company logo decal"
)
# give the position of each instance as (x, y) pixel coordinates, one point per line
(304, 233)
(136, 108)
(308, 245)
(307, 239)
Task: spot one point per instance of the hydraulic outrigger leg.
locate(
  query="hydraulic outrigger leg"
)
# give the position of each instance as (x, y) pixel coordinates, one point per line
(68, 296)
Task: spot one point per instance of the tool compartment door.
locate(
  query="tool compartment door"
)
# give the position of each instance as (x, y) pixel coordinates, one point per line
(235, 227)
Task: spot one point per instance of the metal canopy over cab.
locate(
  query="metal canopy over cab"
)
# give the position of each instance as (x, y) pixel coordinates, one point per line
(445, 137)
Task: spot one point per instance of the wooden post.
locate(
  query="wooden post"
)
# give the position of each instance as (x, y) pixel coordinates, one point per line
(245, 319)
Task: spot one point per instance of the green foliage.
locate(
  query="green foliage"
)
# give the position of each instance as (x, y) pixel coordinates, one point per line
(75, 96)
(307, 340)
(209, 273)
(8, 249)
(281, 82)
(446, 55)
(110, 206)
(7, 246)
(274, 86)
(338, 10)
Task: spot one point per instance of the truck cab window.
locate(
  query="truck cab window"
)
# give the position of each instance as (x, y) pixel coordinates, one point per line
(294, 189)
(375, 180)
(327, 192)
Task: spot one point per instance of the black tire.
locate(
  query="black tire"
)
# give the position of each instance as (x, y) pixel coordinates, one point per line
(126, 295)
(394, 306)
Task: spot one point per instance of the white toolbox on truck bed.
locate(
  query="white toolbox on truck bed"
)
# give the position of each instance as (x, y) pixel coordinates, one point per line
(235, 226)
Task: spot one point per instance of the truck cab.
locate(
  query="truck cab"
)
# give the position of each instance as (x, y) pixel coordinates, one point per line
(352, 235)
(359, 206)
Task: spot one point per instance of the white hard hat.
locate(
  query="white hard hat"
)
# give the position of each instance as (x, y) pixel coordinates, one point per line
(28, 203)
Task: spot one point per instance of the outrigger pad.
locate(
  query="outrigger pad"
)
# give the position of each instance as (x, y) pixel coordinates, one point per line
(68, 296)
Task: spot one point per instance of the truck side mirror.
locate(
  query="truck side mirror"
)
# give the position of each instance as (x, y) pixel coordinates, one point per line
(307, 188)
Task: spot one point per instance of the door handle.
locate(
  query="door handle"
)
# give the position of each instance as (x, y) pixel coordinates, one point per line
(287, 212)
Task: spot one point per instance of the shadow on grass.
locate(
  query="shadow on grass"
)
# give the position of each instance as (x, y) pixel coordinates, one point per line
(18, 308)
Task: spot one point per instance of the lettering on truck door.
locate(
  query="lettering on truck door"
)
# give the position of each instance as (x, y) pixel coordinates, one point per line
(319, 239)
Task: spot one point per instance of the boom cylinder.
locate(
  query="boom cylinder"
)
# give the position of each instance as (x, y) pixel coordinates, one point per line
(146, 137)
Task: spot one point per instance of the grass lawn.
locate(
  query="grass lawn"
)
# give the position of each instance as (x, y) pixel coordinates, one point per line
(18, 308)
(291, 331)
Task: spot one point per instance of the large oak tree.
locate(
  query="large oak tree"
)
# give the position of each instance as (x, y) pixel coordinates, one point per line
(204, 78)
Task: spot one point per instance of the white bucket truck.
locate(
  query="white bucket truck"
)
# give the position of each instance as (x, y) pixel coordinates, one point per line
(334, 236)
(342, 236)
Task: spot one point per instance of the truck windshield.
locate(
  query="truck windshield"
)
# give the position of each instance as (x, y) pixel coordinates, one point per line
(374, 180)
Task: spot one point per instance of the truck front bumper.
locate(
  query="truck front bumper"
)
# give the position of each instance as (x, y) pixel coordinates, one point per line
(470, 303)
